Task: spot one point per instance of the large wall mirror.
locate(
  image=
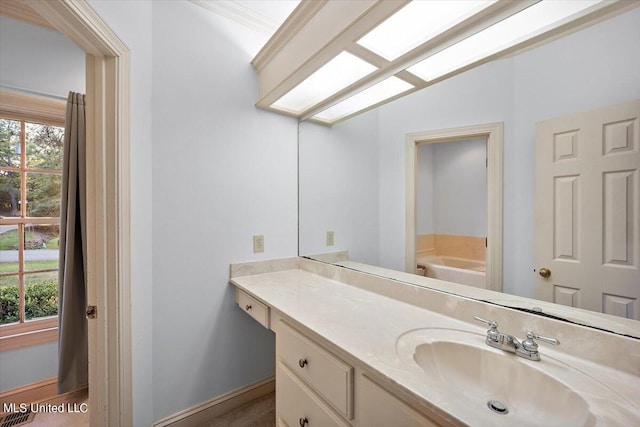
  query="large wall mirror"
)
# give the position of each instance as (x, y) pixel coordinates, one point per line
(354, 189)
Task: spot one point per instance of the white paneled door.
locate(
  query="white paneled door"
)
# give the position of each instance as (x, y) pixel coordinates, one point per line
(588, 210)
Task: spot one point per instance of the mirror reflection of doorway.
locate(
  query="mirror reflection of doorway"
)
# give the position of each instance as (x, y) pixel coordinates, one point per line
(489, 150)
(451, 210)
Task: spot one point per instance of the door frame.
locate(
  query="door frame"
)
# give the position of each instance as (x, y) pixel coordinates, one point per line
(494, 134)
(108, 206)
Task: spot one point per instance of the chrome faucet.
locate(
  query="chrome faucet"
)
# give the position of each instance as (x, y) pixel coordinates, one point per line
(527, 349)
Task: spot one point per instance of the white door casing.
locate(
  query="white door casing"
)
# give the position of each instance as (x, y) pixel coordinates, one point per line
(588, 210)
(108, 204)
(493, 132)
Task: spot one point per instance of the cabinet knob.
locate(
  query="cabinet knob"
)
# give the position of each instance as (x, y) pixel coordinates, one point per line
(302, 362)
(247, 307)
(303, 422)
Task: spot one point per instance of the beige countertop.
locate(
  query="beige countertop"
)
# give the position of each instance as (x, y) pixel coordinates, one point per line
(369, 327)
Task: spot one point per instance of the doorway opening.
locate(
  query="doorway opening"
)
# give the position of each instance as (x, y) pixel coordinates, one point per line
(422, 244)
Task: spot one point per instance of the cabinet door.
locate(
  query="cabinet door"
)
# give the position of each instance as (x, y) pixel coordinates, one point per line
(378, 408)
(296, 405)
(325, 373)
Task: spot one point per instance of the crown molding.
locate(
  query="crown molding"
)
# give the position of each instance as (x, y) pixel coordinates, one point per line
(240, 14)
(289, 28)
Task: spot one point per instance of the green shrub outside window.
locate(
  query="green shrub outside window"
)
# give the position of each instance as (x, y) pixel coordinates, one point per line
(41, 300)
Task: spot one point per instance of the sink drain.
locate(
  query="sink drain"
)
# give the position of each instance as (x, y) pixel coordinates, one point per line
(498, 407)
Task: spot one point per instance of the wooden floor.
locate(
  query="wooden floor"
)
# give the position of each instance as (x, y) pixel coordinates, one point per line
(70, 401)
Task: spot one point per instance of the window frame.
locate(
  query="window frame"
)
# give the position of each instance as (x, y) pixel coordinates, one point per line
(34, 109)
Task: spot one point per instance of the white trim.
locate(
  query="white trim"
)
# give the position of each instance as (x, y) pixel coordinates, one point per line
(28, 92)
(17, 9)
(206, 411)
(240, 14)
(108, 216)
(33, 108)
(494, 134)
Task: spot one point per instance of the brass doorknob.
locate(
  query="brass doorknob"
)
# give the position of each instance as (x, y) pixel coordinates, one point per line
(544, 272)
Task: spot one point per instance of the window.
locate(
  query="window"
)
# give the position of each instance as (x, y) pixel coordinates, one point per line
(31, 151)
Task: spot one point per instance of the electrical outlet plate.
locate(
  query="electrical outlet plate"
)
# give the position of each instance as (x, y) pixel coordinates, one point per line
(258, 244)
(330, 238)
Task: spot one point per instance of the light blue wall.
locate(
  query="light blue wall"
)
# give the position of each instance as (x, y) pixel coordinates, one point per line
(451, 192)
(28, 365)
(210, 172)
(339, 177)
(460, 188)
(222, 172)
(424, 190)
(39, 59)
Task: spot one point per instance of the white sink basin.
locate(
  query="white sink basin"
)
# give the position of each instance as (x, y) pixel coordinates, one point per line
(498, 387)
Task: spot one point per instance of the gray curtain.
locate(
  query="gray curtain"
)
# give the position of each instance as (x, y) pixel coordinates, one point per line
(72, 296)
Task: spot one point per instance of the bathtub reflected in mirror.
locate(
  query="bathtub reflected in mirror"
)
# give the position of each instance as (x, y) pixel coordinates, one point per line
(458, 270)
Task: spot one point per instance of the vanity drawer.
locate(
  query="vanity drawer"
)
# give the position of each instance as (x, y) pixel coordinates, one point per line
(295, 403)
(253, 307)
(325, 373)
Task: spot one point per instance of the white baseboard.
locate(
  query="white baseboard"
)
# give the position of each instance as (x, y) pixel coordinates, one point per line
(217, 406)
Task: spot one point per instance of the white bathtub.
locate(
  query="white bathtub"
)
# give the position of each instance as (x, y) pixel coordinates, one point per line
(457, 270)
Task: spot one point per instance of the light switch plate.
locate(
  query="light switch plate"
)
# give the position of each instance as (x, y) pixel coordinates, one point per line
(258, 244)
(330, 238)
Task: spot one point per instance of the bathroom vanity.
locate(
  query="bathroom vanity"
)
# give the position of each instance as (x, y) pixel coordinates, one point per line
(353, 349)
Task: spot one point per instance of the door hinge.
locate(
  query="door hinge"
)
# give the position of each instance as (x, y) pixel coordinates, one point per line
(92, 312)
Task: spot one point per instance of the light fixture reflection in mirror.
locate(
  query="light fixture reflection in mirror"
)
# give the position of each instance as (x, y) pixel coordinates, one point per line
(498, 37)
(352, 176)
(379, 92)
(336, 74)
(416, 23)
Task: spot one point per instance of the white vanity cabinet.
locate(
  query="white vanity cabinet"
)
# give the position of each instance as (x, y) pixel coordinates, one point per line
(298, 405)
(314, 387)
(377, 407)
(319, 373)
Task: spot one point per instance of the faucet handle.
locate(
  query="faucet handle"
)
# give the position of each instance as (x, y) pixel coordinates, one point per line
(492, 323)
(492, 334)
(530, 345)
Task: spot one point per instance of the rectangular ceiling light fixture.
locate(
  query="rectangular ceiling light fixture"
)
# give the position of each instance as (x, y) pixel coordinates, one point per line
(417, 23)
(338, 73)
(519, 27)
(379, 92)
